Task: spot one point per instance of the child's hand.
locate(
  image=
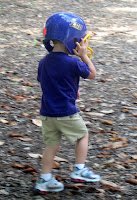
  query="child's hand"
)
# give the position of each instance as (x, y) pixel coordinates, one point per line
(78, 95)
(81, 49)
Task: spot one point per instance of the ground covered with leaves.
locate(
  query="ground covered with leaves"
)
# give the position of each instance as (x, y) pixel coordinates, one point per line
(108, 104)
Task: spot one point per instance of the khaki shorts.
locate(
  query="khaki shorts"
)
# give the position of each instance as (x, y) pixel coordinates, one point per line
(72, 127)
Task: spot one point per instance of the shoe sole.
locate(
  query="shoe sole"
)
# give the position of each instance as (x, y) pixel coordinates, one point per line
(85, 180)
(37, 191)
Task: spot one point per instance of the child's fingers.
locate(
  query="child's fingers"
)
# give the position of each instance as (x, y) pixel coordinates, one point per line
(85, 43)
(75, 52)
(82, 42)
(78, 45)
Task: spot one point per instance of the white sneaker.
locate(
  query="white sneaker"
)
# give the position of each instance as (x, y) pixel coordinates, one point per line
(84, 175)
(43, 187)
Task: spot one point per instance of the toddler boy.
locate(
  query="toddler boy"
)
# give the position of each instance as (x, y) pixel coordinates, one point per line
(59, 74)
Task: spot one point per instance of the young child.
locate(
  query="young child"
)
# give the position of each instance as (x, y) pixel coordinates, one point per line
(59, 74)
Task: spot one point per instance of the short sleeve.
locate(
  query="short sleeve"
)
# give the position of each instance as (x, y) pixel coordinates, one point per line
(39, 69)
(82, 69)
(38, 73)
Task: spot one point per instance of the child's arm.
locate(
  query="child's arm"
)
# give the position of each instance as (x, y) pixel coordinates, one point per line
(82, 53)
(78, 95)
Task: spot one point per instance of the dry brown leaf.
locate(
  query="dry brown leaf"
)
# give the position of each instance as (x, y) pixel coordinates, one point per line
(135, 114)
(115, 145)
(135, 95)
(34, 179)
(37, 122)
(28, 170)
(124, 140)
(25, 139)
(106, 153)
(19, 97)
(34, 173)
(125, 111)
(124, 91)
(101, 62)
(71, 168)
(12, 152)
(13, 123)
(35, 155)
(18, 166)
(134, 128)
(97, 101)
(87, 122)
(132, 181)
(110, 188)
(95, 114)
(102, 156)
(122, 155)
(9, 95)
(100, 195)
(114, 132)
(56, 165)
(59, 178)
(110, 111)
(134, 157)
(108, 145)
(75, 186)
(88, 109)
(27, 83)
(99, 131)
(102, 80)
(25, 115)
(90, 189)
(15, 135)
(6, 107)
(60, 159)
(83, 109)
(107, 122)
(4, 121)
(130, 161)
(109, 183)
(126, 165)
(114, 137)
(118, 145)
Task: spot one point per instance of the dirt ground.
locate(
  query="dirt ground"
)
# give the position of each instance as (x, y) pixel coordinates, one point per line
(108, 104)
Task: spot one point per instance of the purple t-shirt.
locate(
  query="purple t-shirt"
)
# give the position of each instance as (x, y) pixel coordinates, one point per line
(58, 74)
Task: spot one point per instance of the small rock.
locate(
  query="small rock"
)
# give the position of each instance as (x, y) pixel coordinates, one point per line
(26, 148)
(119, 196)
(120, 167)
(1, 143)
(4, 192)
(107, 111)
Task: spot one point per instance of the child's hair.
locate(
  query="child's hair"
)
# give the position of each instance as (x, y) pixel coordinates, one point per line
(56, 41)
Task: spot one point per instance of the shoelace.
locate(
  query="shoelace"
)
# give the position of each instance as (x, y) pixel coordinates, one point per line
(87, 172)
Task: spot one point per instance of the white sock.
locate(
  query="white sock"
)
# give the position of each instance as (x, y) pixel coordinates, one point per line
(46, 177)
(80, 166)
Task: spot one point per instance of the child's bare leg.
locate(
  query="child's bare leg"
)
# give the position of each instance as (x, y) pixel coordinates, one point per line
(81, 173)
(81, 150)
(46, 182)
(48, 158)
